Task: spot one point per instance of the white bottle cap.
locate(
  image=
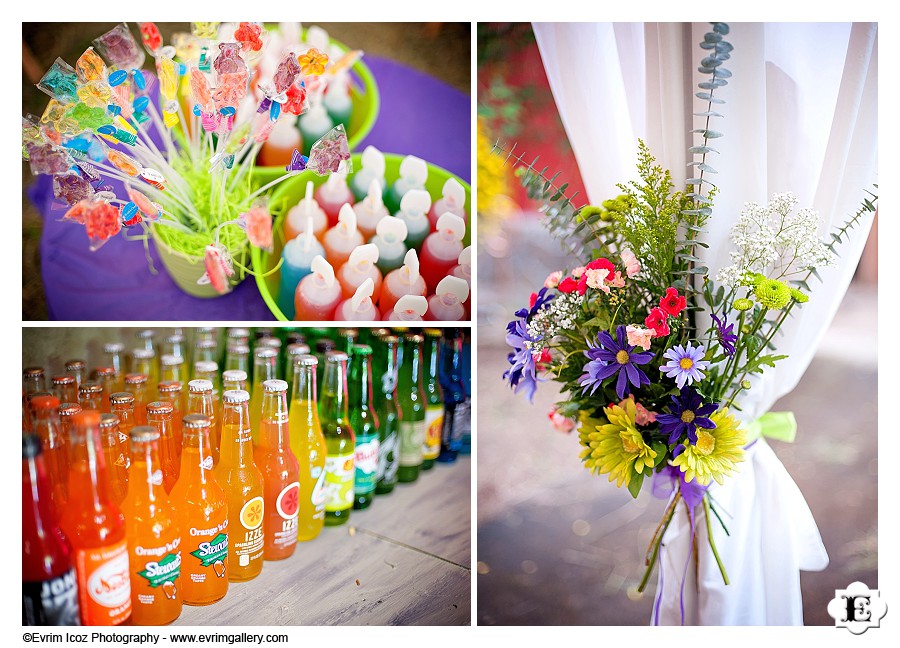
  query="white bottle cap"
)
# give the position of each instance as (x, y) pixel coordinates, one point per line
(411, 304)
(411, 263)
(413, 169)
(347, 219)
(373, 161)
(452, 224)
(453, 192)
(415, 202)
(363, 253)
(318, 38)
(373, 199)
(322, 268)
(363, 292)
(391, 229)
(465, 257)
(453, 286)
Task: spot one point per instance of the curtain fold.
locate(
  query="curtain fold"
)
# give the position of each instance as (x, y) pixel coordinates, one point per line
(800, 116)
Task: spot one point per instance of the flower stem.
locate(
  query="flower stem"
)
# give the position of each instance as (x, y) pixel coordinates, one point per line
(656, 541)
(712, 543)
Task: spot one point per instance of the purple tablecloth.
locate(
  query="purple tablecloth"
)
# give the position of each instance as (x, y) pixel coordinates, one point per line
(419, 116)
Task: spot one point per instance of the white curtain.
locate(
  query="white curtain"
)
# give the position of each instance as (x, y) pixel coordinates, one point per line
(800, 116)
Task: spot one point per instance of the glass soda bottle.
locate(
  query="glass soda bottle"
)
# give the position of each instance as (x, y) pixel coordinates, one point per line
(264, 364)
(63, 387)
(412, 401)
(49, 581)
(90, 395)
(170, 391)
(154, 539)
(456, 403)
(339, 441)
(106, 376)
(434, 399)
(308, 446)
(117, 462)
(77, 369)
(234, 379)
(172, 367)
(136, 384)
(364, 421)
(159, 416)
(389, 417)
(143, 361)
(112, 354)
(201, 512)
(241, 480)
(66, 411)
(95, 527)
(280, 472)
(292, 352)
(237, 357)
(53, 447)
(201, 400)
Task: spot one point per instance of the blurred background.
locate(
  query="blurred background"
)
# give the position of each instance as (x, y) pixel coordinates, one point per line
(441, 50)
(557, 545)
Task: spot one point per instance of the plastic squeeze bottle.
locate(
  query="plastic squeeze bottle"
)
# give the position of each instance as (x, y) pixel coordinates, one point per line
(409, 308)
(278, 149)
(453, 200)
(332, 195)
(446, 305)
(441, 249)
(298, 255)
(342, 239)
(337, 99)
(414, 212)
(314, 124)
(413, 174)
(359, 267)
(372, 169)
(318, 294)
(390, 239)
(370, 210)
(359, 308)
(296, 221)
(402, 281)
(464, 271)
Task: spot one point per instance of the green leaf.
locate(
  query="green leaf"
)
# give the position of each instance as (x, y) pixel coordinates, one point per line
(712, 37)
(702, 149)
(699, 270)
(599, 322)
(707, 168)
(708, 113)
(709, 134)
(712, 85)
(710, 62)
(708, 97)
(721, 28)
(723, 73)
(634, 485)
(661, 450)
(560, 192)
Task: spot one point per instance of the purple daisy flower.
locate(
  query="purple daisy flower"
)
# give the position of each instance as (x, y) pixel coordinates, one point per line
(611, 357)
(726, 335)
(686, 364)
(540, 301)
(521, 374)
(686, 413)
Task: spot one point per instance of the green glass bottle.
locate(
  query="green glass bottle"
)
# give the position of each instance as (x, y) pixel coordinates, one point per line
(412, 403)
(364, 421)
(347, 337)
(389, 414)
(434, 399)
(339, 440)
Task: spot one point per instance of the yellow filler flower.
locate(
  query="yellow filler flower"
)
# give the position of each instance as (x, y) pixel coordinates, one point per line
(615, 446)
(716, 452)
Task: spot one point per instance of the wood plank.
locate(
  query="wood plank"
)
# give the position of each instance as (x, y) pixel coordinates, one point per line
(410, 552)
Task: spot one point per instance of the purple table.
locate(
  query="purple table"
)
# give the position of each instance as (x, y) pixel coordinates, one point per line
(419, 116)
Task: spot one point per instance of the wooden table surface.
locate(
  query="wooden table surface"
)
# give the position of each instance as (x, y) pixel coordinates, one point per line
(409, 552)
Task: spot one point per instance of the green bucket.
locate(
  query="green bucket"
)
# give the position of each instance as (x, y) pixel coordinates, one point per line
(185, 270)
(291, 191)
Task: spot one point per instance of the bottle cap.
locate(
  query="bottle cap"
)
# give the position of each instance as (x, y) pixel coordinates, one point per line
(169, 386)
(89, 387)
(415, 202)
(99, 372)
(61, 380)
(363, 292)
(160, 407)
(275, 386)
(411, 265)
(361, 349)
(409, 304)
(271, 342)
(195, 421)
(142, 354)
(451, 225)
(391, 229)
(347, 219)
(297, 348)
(169, 360)
(454, 193)
(108, 420)
(453, 286)
(373, 162)
(144, 434)
(200, 386)
(32, 372)
(323, 269)
(335, 356)
(113, 347)
(46, 401)
(238, 333)
(175, 338)
(238, 349)
(72, 365)
(206, 366)
(306, 361)
(121, 398)
(70, 409)
(145, 334)
(265, 351)
(367, 253)
(234, 375)
(414, 170)
(373, 198)
(465, 257)
(205, 344)
(235, 396)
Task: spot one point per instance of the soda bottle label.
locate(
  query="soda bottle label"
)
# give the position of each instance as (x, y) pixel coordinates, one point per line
(339, 473)
(52, 602)
(210, 553)
(318, 492)
(250, 546)
(288, 505)
(104, 586)
(157, 567)
(412, 437)
(462, 424)
(366, 457)
(434, 423)
(387, 461)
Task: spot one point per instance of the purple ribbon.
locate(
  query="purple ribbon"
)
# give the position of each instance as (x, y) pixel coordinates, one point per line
(665, 482)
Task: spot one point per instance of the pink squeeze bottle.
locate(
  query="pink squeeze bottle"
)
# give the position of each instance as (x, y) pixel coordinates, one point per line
(453, 200)
(359, 267)
(333, 195)
(441, 249)
(414, 212)
(409, 308)
(318, 294)
(464, 271)
(343, 238)
(296, 221)
(360, 307)
(446, 305)
(402, 281)
(370, 210)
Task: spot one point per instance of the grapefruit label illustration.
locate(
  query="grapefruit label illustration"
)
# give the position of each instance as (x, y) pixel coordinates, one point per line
(105, 593)
(434, 423)
(216, 550)
(288, 501)
(339, 473)
(166, 570)
(252, 513)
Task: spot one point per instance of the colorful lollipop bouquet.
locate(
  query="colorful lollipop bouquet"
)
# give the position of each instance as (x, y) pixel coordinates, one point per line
(653, 350)
(173, 154)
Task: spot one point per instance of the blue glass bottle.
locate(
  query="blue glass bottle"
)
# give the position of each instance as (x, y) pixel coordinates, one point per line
(456, 401)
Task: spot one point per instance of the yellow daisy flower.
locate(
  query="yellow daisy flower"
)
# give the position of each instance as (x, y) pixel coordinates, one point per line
(716, 452)
(615, 445)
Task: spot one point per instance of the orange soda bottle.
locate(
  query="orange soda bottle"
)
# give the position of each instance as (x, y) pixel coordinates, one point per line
(265, 362)
(241, 480)
(95, 527)
(201, 513)
(202, 400)
(90, 395)
(53, 447)
(63, 387)
(136, 383)
(106, 376)
(280, 469)
(308, 445)
(154, 539)
(159, 416)
(117, 462)
(171, 391)
(66, 411)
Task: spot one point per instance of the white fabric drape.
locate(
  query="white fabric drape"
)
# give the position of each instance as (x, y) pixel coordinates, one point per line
(800, 116)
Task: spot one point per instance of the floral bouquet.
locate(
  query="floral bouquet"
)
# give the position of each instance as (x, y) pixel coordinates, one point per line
(654, 351)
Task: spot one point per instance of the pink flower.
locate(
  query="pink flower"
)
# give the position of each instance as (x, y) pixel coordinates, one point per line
(642, 415)
(657, 320)
(602, 264)
(258, 224)
(552, 280)
(617, 281)
(577, 272)
(639, 336)
(560, 422)
(632, 265)
(673, 303)
(597, 279)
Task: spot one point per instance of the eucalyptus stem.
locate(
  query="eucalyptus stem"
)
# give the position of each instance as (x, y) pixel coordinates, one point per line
(712, 543)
